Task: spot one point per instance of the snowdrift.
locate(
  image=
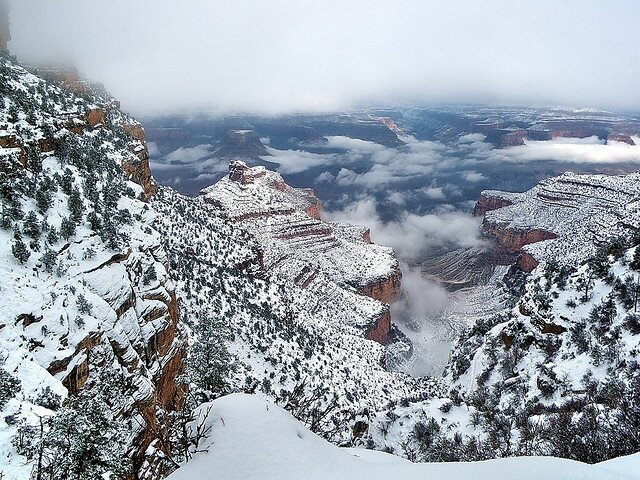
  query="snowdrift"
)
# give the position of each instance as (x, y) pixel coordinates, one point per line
(252, 438)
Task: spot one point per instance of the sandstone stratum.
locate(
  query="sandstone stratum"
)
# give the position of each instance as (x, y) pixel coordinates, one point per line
(335, 258)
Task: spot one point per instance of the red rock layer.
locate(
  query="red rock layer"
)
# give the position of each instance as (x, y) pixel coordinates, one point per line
(620, 137)
(385, 290)
(487, 203)
(512, 240)
(379, 331)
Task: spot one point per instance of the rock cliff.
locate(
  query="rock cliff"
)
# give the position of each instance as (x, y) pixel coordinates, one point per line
(87, 297)
(300, 246)
(563, 218)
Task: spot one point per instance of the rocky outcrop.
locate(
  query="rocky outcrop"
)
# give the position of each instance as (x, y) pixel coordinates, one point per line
(139, 171)
(489, 201)
(386, 289)
(526, 262)
(513, 139)
(511, 240)
(380, 328)
(244, 144)
(620, 137)
(563, 218)
(391, 125)
(108, 316)
(312, 254)
(97, 116)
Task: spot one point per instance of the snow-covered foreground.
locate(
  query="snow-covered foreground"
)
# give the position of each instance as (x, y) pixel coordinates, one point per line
(253, 438)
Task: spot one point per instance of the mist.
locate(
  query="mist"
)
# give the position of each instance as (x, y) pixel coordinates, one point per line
(420, 313)
(161, 56)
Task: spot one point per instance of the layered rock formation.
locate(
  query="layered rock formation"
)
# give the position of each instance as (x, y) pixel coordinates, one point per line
(312, 253)
(620, 137)
(563, 218)
(88, 299)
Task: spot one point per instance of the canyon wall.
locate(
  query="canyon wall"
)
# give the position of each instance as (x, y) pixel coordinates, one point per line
(300, 246)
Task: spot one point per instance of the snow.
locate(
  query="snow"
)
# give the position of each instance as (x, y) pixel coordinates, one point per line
(582, 210)
(252, 438)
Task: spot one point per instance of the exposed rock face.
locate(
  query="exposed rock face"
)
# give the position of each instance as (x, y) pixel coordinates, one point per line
(527, 263)
(314, 254)
(100, 314)
(620, 137)
(241, 144)
(513, 139)
(489, 201)
(97, 116)
(512, 240)
(379, 330)
(386, 290)
(390, 124)
(563, 218)
(138, 168)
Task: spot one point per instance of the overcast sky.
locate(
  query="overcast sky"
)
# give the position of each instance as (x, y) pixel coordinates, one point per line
(275, 56)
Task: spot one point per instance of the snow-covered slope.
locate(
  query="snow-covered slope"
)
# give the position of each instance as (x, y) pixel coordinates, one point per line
(87, 303)
(252, 438)
(557, 373)
(283, 335)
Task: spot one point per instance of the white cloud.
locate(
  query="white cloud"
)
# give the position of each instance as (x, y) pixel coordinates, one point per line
(412, 234)
(568, 150)
(434, 193)
(188, 155)
(163, 55)
(325, 177)
(472, 138)
(397, 198)
(471, 176)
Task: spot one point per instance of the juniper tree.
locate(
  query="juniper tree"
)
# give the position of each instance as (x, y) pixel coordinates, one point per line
(19, 249)
(67, 228)
(75, 206)
(83, 441)
(83, 304)
(9, 385)
(210, 363)
(48, 259)
(635, 262)
(31, 226)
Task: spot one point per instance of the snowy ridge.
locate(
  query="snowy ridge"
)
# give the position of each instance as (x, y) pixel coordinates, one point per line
(300, 247)
(87, 301)
(583, 211)
(281, 333)
(252, 438)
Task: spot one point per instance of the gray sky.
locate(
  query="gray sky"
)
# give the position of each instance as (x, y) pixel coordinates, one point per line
(275, 56)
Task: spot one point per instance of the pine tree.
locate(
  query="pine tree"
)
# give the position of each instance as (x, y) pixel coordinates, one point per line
(44, 199)
(210, 363)
(83, 441)
(31, 226)
(19, 249)
(635, 262)
(74, 203)
(9, 386)
(67, 228)
(48, 259)
(83, 305)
